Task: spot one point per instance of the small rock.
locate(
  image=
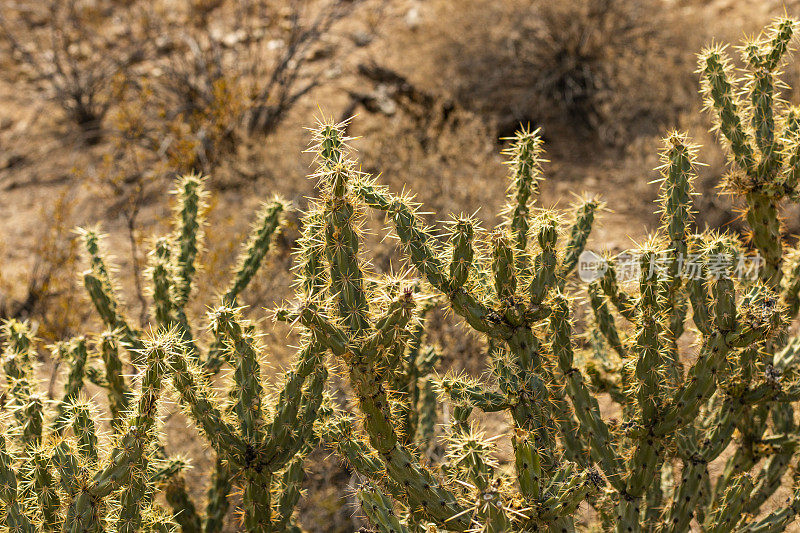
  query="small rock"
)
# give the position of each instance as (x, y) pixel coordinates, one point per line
(412, 18)
(361, 38)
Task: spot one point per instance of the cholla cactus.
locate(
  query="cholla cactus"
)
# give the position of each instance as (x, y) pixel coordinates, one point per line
(675, 409)
(259, 446)
(60, 480)
(503, 295)
(509, 284)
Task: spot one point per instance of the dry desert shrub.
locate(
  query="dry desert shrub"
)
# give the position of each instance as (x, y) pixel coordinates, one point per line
(609, 67)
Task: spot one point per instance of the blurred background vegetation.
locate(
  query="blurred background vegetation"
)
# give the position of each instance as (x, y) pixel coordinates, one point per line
(106, 101)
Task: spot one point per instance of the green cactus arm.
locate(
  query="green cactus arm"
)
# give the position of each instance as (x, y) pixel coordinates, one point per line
(688, 493)
(776, 521)
(697, 286)
(677, 175)
(165, 286)
(339, 434)
(14, 515)
(44, 486)
(229, 329)
(310, 265)
(342, 248)
(460, 388)
(604, 319)
(82, 507)
(720, 96)
(524, 159)
(469, 452)
(783, 447)
(269, 221)
(462, 254)
(80, 412)
(32, 421)
(790, 284)
(758, 317)
(100, 287)
(250, 261)
(133, 499)
(426, 407)
(697, 387)
(19, 346)
(91, 241)
(191, 203)
(503, 266)
(579, 234)
(66, 463)
(184, 511)
(77, 356)
(289, 490)
(422, 490)
(162, 277)
(16, 357)
(648, 341)
(587, 408)
(196, 396)
(157, 520)
(780, 35)
(528, 466)
(257, 500)
(420, 247)
(106, 307)
(282, 432)
(546, 262)
(217, 502)
(762, 91)
(698, 445)
(763, 217)
(163, 469)
(786, 182)
(380, 510)
(533, 409)
(624, 303)
(276, 453)
(119, 393)
(128, 452)
(420, 487)
(761, 85)
(568, 488)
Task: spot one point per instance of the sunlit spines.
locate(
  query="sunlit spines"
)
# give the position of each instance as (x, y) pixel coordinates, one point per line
(379, 509)
(119, 393)
(524, 159)
(587, 409)
(77, 355)
(189, 214)
(228, 327)
(16, 519)
(462, 252)
(83, 428)
(268, 223)
(543, 277)
(585, 210)
(721, 97)
(503, 267)
(162, 275)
